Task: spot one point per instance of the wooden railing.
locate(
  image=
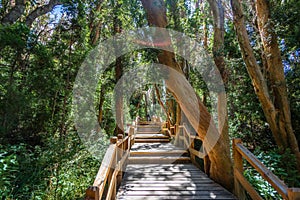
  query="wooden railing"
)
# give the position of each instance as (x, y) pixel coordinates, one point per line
(111, 170)
(184, 138)
(241, 184)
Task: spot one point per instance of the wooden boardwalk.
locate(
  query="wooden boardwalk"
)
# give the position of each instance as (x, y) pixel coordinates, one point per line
(146, 165)
(159, 170)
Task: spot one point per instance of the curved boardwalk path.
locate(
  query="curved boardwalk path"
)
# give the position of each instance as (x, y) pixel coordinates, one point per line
(158, 170)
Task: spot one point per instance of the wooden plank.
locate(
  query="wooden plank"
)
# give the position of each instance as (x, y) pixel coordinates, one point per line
(147, 132)
(190, 134)
(171, 167)
(123, 141)
(248, 187)
(105, 169)
(294, 193)
(239, 191)
(264, 171)
(151, 140)
(155, 146)
(182, 197)
(150, 170)
(195, 137)
(158, 160)
(112, 186)
(167, 152)
(186, 143)
(171, 184)
(152, 136)
(165, 174)
(111, 194)
(206, 193)
(166, 182)
(165, 179)
(210, 187)
(197, 153)
(163, 170)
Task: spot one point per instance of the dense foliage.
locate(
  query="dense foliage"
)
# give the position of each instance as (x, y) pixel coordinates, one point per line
(41, 155)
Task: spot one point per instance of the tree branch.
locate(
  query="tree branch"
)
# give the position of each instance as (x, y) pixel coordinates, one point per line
(15, 13)
(41, 11)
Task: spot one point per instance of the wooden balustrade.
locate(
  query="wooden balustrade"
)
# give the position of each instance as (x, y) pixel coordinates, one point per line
(241, 184)
(111, 170)
(184, 139)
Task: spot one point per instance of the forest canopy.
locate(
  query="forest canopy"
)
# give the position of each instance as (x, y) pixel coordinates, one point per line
(254, 45)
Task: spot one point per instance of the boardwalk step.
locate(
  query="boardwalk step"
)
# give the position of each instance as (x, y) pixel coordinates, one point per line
(151, 140)
(172, 197)
(153, 136)
(159, 153)
(148, 128)
(147, 132)
(211, 194)
(163, 168)
(158, 160)
(169, 181)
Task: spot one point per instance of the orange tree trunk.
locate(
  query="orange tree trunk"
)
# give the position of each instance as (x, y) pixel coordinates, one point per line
(277, 113)
(277, 79)
(221, 167)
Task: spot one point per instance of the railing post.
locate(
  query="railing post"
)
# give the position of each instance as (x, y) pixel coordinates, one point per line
(92, 193)
(294, 194)
(168, 125)
(176, 128)
(120, 139)
(113, 140)
(119, 157)
(238, 166)
(184, 138)
(126, 144)
(177, 138)
(206, 160)
(193, 157)
(130, 135)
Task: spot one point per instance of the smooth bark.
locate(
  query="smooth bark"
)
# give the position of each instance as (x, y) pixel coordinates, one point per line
(220, 168)
(276, 77)
(162, 104)
(15, 13)
(42, 10)
(273, 113)
(118, 74)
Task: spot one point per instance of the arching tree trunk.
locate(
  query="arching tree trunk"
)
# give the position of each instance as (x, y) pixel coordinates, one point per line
(218, 47)
(276, 77)
(277, 113)
(162, 104)
(118, 74)
(221, 168)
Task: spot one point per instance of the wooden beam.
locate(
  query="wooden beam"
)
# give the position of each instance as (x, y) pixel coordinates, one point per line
(239, 191)
(92, 193)
(248, 187)
(196, 153)
(263, 170)
(294, 193)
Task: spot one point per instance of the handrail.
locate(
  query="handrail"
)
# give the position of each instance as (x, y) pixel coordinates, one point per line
(184, 138)
(241, 183)
(112, 167)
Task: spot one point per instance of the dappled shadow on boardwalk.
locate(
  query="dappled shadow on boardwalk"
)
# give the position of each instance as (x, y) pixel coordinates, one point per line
(169, 181)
